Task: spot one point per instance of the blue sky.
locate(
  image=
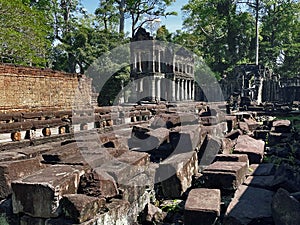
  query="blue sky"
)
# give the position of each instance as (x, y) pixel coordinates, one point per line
(172, 23)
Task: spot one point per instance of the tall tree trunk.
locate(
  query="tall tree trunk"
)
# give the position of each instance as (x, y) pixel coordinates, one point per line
(122, 16)
(256, 31)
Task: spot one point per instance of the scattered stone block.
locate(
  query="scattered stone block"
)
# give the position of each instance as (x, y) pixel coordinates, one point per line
(232, 158)
(152, 213)
(264, 182)
(13, 170)
(225, 175)
(98, 183)
(234, 134)
(286, 178)
(250, 205)
(210, 147)
(243, 126)
(185, 139)
(276, 138)
(264, 169)
(202, 206)
(285, 208)
(81, 208)
(281, 126)
(27, 220)
(175, 173)
(209, 120)
(261, 134)
(38, 195)
(227, 145)
(252, 124)
(252, 147)
(231, 122)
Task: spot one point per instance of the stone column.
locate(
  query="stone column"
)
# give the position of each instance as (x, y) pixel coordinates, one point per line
(140, 61)
(158, 87)
(193, 90)
(152, 88)
(173, 90)
(185, 89)
(182, 89)
(190, 89)
(163, 89)
(150, 62)
(141, 89)
(135, 62)
(178, 90)
(158, 61)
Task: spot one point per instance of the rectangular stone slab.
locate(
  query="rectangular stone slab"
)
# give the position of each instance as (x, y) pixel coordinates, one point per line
(13, 170)
(81, 208)
(38, 194)
(176, 172)
(225, 175)
(250, 146)
(202, 206)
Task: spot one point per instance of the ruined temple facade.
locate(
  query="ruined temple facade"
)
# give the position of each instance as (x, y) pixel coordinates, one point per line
(160, 72)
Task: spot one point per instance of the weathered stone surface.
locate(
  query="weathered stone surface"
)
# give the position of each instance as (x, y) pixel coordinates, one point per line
(285, 208)
(209, 120)
(231, 122)
(146, 139)
(38, 194)
(286, 178)
(227, 145)
(243, 126)
(81, 208)
(234, 134)
(265, 182)
(202, 206)
(27, 220)
(210, 147)
(98, 183)
(153, 213)
(281, 126)
(185, 138)
(225, 175)
(232, 157)
(264, 169)
(175, 173)
(250, 205)
(275, 138)
(61, 152)
(252, 124)
(252, 147)
(13, 170)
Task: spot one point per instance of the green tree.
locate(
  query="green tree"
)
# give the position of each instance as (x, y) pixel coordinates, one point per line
(280, 44)
(23, 34)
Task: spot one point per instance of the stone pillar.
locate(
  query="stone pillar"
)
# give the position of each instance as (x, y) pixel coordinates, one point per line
(182, 89)
(141, 88)
(163, 89)
(178, 90)
(140, 61)
(135, 65)
(185, 89)
(190, 89)
(173, 90)
(150, 63)
(158, 61)
(152, 88)
(193, 90)
(158, 87)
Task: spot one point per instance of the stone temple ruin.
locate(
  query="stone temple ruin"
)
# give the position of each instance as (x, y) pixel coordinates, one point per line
(184, 162)
(161, 72)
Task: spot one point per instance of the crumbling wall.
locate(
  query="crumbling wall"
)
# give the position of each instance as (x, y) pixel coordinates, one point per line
(34, 88)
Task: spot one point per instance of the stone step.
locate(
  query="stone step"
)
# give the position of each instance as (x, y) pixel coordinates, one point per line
(38, 195)
(232, 157)
(225, 175)
(202, 206)
(252, 147)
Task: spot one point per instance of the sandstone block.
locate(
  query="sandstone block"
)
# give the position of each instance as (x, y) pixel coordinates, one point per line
(250, 205)
(81, 208)
(202, 206)
(175, 173)
(252, 147)
(38, 195)
(13, 170)
(225, 175)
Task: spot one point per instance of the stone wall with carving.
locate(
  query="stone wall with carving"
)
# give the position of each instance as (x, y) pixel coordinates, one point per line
(34, 88)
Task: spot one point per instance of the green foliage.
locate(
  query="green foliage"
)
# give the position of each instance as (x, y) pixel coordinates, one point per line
(23, 34)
